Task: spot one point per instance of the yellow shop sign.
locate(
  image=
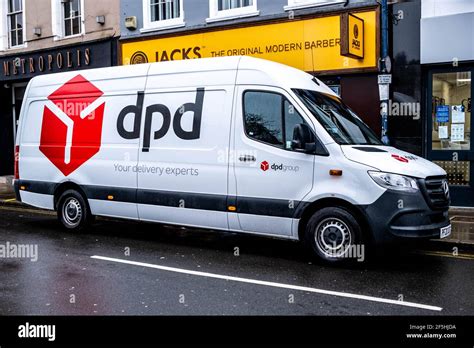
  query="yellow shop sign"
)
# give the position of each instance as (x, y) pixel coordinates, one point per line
(310, 44)
(352, 36)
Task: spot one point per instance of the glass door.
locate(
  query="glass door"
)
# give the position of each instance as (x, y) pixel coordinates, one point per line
(18, 93)
(449, 130)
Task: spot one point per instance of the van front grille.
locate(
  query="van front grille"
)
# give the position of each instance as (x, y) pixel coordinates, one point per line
(436, 191)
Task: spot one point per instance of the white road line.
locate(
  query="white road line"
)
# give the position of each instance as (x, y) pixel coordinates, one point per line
(271, 284)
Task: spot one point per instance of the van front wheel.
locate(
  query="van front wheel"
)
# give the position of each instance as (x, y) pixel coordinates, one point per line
(73, 211)
(334, 235)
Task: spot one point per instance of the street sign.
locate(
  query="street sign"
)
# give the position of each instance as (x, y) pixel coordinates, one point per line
(385, 79)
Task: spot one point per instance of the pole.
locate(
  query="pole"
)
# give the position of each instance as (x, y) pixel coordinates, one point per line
(384, 51)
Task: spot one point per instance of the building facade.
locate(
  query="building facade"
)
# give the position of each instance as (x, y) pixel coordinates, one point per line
(306, 34)
(430, 48)
(447, 59)
(49, 36)
(432, 71)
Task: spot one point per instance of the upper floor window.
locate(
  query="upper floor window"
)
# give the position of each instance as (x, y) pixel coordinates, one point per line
(230, 4)
(162, 14)
(296, 4)
(15, 23)
(67, 18)
(229, 9)
(72, 17)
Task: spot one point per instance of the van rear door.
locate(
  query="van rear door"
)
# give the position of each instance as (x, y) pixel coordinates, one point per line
(271, 179)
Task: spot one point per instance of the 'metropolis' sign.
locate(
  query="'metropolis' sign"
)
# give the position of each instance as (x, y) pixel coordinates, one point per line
(84, 56)
(41, 63)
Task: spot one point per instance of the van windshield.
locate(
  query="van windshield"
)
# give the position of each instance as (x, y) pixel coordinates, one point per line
(344, 126)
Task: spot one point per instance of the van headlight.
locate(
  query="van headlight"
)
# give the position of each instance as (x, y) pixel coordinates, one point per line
(394, 181)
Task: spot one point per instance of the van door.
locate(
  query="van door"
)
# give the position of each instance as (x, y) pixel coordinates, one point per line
(183, 167)
(110, 179)
(271, 179)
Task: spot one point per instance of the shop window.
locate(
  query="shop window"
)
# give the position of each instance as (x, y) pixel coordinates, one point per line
(67, 18)
(296, 4)
(162, 14)
(451, 111)
(15, 20)
(230, 9)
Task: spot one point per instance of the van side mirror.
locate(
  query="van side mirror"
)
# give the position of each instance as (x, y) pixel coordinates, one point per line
(305, 141)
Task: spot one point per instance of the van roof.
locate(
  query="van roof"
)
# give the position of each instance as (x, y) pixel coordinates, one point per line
(251, 71)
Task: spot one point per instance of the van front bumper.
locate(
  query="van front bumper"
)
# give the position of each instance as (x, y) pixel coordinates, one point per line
(398, 216)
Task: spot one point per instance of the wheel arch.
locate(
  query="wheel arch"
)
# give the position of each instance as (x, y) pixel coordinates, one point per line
(66, 186)
(334, 202)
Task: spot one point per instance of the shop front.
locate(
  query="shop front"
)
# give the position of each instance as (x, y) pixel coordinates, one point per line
(448, 70)
(341, 48)
(17, 70)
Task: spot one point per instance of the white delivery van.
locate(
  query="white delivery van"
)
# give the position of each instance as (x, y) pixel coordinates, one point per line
(235, 144)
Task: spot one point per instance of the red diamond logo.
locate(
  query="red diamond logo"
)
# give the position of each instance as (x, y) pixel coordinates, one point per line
(401, 158)
(71, 132)
(264, 166)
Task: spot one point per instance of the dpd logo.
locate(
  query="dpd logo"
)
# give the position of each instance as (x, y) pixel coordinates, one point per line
(71, 131)
(265, 166)
(401, 158)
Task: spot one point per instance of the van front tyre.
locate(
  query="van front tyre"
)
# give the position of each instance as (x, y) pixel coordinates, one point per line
(332, 234)
(73, 211)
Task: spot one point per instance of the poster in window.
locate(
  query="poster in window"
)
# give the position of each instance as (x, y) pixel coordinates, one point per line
(443, 132)
(457, 114)
(442, 113)
(457, 132)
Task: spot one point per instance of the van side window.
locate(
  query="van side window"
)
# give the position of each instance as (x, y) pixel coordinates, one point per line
(263, 117)
(292, 119)
(270, 118)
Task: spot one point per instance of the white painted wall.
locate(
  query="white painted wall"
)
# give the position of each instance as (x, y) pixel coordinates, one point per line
(436, 8)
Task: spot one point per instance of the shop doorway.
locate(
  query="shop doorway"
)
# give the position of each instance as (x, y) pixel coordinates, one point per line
(18, 93)
(449, 130)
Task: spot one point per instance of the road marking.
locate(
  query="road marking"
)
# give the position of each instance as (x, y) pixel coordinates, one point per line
(446, 254)
(271, 284)
(10, 200)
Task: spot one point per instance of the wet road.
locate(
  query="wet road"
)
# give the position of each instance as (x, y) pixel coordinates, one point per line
(123, 268)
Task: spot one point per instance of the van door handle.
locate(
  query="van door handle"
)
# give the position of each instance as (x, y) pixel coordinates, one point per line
(247, 158)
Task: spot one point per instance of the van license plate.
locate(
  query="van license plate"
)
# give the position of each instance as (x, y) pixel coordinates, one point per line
(445, 232)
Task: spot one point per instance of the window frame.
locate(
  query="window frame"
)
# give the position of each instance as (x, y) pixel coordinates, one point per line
(240, 12)
(296, 5)
(58, 21)
(282, 120)
(5, 42)
(149, 25)
(3, 26)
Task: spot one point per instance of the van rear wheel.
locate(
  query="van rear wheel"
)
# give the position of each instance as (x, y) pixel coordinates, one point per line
(334, 235)
(73, 211)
